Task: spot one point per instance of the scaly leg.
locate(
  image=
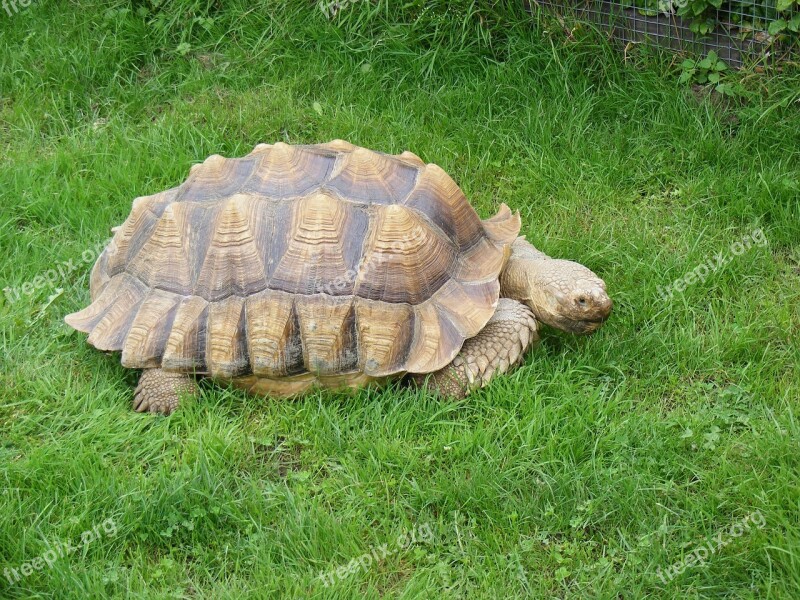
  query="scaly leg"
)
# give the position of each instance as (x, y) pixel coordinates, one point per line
(159, 391)
(496, 349)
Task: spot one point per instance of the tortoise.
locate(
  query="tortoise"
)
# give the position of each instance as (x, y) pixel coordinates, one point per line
(328, 265)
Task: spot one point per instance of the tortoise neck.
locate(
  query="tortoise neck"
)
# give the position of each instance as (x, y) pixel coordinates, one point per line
(515, 278)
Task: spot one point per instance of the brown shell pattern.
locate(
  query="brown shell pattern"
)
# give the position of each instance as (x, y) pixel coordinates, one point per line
(326, 264)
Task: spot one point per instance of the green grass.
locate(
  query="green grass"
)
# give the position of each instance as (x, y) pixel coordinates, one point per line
(599, 462)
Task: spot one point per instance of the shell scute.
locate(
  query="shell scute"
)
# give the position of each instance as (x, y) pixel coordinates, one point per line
(233, 263)
(285, 171)
(403, 262)
(185, 349)
(324, 249)
(385, 333)
(118, 311)
(328, 331)
(434, 337)
(173, 272)
(439, 198)
(217, 177)
(273, 334)
(147, 337)
(226, 351)
(367, 176)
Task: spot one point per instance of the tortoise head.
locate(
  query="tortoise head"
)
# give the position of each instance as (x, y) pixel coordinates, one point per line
(561, 293)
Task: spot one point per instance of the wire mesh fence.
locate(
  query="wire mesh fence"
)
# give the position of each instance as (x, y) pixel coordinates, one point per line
(739, 31)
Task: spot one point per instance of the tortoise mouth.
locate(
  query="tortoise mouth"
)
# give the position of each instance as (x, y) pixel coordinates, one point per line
(580, 313)
(587, 326)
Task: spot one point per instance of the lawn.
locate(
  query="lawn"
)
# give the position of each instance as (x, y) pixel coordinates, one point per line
(658, 458)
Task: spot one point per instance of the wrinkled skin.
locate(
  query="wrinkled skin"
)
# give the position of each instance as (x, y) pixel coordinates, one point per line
(561, 293)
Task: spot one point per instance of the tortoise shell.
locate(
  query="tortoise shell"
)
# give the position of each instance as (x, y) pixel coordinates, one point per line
(295, 265)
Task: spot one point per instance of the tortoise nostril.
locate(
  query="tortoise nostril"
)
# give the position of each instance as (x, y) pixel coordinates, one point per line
(581, 300)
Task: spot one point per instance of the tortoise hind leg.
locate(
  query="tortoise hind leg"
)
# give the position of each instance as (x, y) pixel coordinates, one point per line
(495, 350)
(160, 392)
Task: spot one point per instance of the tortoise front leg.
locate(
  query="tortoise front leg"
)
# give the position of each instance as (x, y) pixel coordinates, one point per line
(160, 392)
(497, 349)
